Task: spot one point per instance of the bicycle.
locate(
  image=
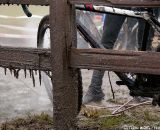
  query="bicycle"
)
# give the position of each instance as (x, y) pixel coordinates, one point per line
(145, 85)
(26, 10)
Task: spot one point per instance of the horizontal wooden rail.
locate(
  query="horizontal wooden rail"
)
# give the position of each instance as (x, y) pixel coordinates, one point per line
(146, 3)
(131, 3)
(143, 3)
(31, 2)
(25, 58)
(121, 61)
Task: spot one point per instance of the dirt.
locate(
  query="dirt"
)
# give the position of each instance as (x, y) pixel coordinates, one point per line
(141, 118)
(94, 116)
(121, 92)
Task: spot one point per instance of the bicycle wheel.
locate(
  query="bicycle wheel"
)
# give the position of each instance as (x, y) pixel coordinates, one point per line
(43, 41)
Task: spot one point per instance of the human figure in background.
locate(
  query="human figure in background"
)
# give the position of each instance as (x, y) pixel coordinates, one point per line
(112, 27)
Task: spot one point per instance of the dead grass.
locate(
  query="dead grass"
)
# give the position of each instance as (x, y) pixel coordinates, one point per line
(92, 119)
(138, 117)
(31, 122)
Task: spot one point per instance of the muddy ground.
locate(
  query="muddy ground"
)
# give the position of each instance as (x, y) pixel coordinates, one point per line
(26, 107)
(19, 97)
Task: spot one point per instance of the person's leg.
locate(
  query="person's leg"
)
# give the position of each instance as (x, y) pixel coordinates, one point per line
(111, 29)
(130, 38)
(112, 26)
(95, 92)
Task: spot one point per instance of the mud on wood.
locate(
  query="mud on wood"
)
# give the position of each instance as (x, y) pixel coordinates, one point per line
(16, 59)
(120, 61)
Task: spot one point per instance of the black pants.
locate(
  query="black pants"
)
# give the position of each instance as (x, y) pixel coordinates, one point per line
(112, 27)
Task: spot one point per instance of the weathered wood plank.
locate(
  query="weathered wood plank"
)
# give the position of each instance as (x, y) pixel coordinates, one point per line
(131, 3)
(25, 58)
(64, 79)
(31, 2)
(122, 61)
(146, 3)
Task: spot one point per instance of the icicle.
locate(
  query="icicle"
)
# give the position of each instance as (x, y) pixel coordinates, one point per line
(5, 70)
(40, 78)
(25, 72)
(10, 70)
(17, 73)
(33, 79)
(14, 71)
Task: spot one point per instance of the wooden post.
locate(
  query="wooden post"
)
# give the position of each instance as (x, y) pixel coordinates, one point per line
(64, 79)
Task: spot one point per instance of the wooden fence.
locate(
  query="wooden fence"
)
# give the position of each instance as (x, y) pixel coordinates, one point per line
(63, 59)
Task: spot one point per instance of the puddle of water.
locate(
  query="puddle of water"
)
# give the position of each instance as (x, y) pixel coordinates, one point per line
(18, 96)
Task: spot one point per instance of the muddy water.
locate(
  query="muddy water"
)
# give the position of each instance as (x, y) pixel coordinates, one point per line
(18, 97)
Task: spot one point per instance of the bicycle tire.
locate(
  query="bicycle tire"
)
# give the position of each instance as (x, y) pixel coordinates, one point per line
(26, 10)
(43, 26)
(136, 88)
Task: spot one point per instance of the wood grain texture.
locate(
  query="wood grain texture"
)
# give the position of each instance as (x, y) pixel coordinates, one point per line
(120, 61)
(25, 58)
(64, 80)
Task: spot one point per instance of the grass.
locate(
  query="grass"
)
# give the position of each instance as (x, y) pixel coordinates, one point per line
(136, 118)
(94, 113)
(91, 119)
(111, 122)
(31, 122)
